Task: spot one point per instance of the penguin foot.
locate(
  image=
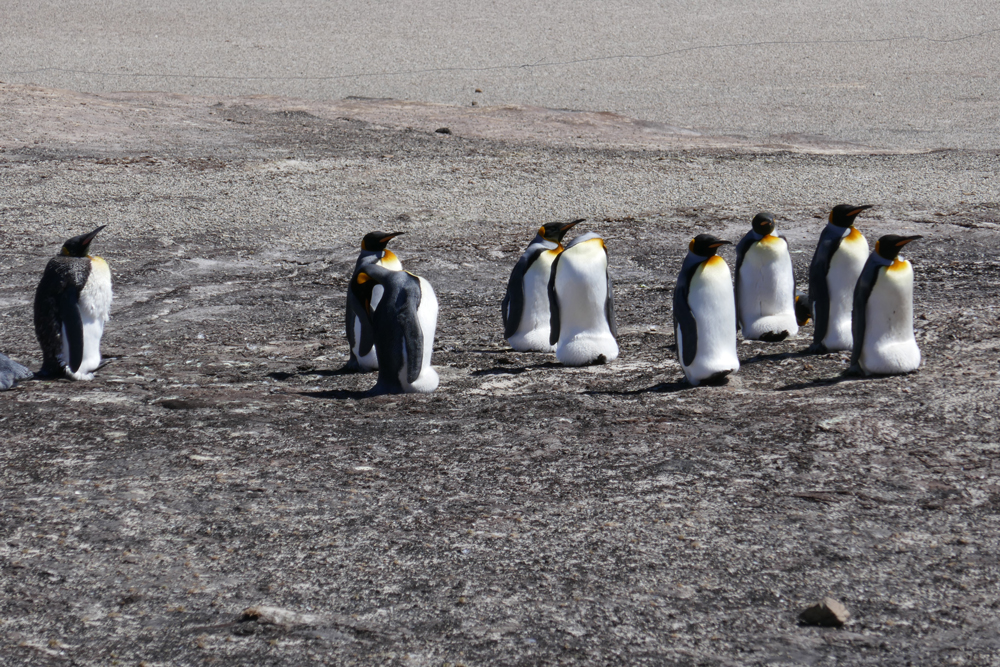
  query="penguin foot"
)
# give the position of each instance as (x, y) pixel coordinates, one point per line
(722, 377)
(773, 336)
(816, 348)
(854, 371)
(599, 361)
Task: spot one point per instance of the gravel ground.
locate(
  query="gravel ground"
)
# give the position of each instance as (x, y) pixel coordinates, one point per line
(525, 513)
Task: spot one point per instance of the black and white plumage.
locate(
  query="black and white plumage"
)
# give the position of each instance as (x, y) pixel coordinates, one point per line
(882, 321)
(705, 313)
(765, 283)
(72, 305)
(11, 372)
(403, 328)
(836, 265)
(525, 307)
(360, 337)
(582, 304)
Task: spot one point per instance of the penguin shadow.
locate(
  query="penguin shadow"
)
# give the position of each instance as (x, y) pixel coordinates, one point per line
(775, 356)
(340, 394)
(282, 376)
(661, 388)
(822, 382)
(514, 370)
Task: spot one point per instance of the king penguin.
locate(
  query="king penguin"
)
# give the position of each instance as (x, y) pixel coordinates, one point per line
(403, 325)
(525, 306)
(765, 283)
(705, 313)
(882, 322)
(582, 305)
(11, 372)
(359, 334)
(833, 273)
(72, 304)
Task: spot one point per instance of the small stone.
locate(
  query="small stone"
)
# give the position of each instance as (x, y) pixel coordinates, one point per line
(479, 90)
(827, 612)
(443, 130)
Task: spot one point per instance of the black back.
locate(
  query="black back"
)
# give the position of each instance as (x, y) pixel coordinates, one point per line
(683, 317)
(819, 290)
(863, 290)
(57, 303)
(512, 306)
(395, 325)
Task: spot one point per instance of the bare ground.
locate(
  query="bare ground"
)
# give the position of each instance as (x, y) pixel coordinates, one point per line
(525, 513)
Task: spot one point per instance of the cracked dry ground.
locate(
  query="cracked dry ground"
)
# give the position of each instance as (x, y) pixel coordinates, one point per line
(523, 514)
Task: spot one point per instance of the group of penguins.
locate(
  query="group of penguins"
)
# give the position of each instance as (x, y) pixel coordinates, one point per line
(560, 299)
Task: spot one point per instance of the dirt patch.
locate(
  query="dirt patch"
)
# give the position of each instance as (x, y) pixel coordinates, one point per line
(525, 513)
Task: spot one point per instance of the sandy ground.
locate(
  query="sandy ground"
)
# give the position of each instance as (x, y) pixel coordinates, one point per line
(525, 513)
(906, 74)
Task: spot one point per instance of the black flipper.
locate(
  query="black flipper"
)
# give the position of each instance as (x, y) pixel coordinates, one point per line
(683, 317)
(413, 336)
(512, 306)
(741, 250)
(863, 290)
(69, 314)
(609, 307)
(554, 322)
(819, 290)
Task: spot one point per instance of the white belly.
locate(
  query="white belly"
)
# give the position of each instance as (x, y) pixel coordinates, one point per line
(427, 314)
(582, 287)
(95, 310)
(889, 346)
(712, 303)
(767, 290)
(367, 362)
(532, 333)
(845, 269)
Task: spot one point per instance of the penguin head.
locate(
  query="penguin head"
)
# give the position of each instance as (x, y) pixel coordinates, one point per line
(78, 245)
(889, 245)
(376, 241)
(555, 231)
(706, 245)
(843, 215)
(763, 223)
(803, 309)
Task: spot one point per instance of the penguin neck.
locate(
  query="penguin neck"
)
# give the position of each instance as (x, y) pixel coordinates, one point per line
(844, 231)
(548, 245)
(882, 261)
(693, 260)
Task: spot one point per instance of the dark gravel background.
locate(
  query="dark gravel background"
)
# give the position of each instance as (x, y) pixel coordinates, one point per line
(525, 513)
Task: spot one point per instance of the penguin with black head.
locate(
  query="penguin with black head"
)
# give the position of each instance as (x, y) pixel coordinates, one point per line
(836, 265)
(525, 307)
(705, 314)
(403, 327)
(882, 321)
(765, 283)
(582, 304)
(359, 334)
(72, 305)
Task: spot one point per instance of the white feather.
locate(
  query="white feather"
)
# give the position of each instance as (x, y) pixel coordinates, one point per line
(845, 269)
(713, 305)
(95, 311)
(767, 289)
(532, 333)
(889, 346)
(582, 290)
(427, 314)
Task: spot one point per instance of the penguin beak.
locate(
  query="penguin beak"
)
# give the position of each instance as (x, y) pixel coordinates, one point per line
(386, 239)
(720, 243)
(854, 211)
(90, 237)
(570, 225)
(908, 239)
